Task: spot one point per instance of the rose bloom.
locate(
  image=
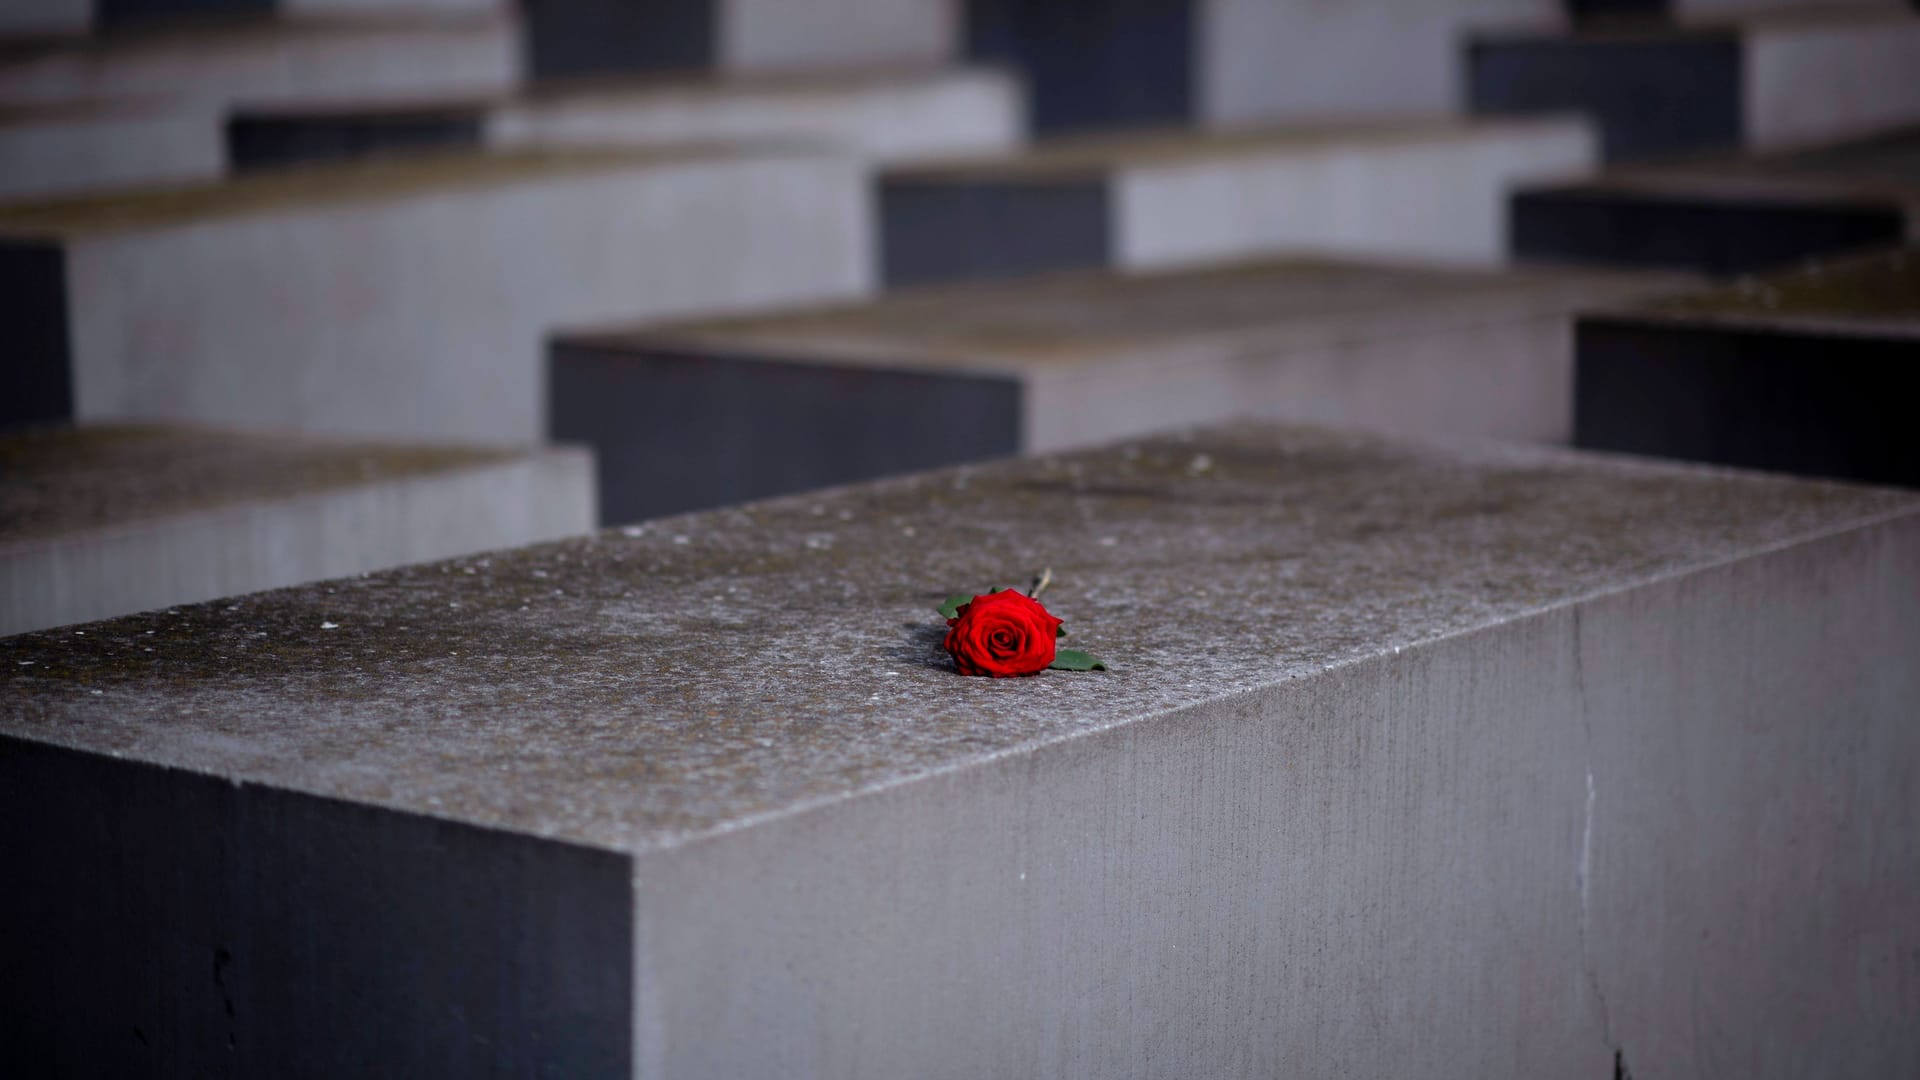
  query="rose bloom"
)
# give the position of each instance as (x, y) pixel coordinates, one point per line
(1002, 634)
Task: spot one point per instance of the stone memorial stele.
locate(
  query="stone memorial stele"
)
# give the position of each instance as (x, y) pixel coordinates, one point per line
(1468, 758)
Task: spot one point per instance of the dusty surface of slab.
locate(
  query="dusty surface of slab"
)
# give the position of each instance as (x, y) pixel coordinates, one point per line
(1077, 318)
(61, 480)
(635, 691)
(1869, 295)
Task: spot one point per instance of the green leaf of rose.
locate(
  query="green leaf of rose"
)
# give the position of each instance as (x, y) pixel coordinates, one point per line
(950, 607)
(1075, 660)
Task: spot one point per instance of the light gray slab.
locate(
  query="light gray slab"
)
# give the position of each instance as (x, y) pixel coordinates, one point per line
(1398, 347)
(1431, 189)
(97, 522)
(1504, 758)
(410, 298)
(68, 149)
(883, 116)
(273, 60)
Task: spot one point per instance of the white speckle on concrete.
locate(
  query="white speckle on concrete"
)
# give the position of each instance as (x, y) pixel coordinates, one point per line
(329, 626)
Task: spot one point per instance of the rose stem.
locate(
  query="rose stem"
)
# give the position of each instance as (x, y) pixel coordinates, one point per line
(1040, 583)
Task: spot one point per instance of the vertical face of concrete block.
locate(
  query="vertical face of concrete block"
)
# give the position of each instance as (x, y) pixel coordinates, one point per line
(254, 931)
(266, 140)
(36, 386)
(941, 229)
(1730, 234)
(1803, 372)
(1263, 59)
(1111, 63)
(567, 38)
(661, 448)
(134, 11)
(1651, 94)
(1805, 403)
(1830, 81)
(798, 34)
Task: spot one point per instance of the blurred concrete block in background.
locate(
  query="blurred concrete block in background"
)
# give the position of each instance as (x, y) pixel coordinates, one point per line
(1399, 189)
(1485, 741)
(1762, 80)
(879, 116)
(78, 17)
(571, 38)
(404, 298)
(693, 415)
(104, 521)
(1731, 214)
(1809, 372)
(73, 148)
(272, 60)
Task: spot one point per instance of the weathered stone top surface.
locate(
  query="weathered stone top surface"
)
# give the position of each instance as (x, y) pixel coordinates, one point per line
(1078, 157)
(642, 90)
(1077, 317)
(645, 686)
(57, 481)
(331, 184)
(1883, 167)
(1873, 295)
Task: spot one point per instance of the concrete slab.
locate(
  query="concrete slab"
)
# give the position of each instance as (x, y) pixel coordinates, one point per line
(883, 116)
(575, 38)
(763, 405)
(1485, 742)
(1106, 64)
(423, 287)
(1730, 214)
(1406, 189)
(261, 61)
(67, 149)
(81, 17)
(1808, 372)
(98, 522)
(1657, 88)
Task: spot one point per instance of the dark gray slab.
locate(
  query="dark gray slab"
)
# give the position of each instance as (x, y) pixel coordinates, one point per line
(582, 38)
(675, 431)
(1092, 65)
(1733, 214)
(1486, 740)
(1808, 373)
(1653, 93)
(940, 230)
(266, 140)
(39, 380)
(187, 925)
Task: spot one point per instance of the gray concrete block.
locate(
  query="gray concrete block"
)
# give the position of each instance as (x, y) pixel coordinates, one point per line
(80, 17)
(879, 116)
(422, 288)
(1731, 214)
(764, 405)
(1764, 81)
(1808, 372)
(67, 149)
(572, 38)
(273, 60)
(1409, 189)
(107, 521)
(1503, 758)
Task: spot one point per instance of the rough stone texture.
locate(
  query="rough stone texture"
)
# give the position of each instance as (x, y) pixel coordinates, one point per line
(1768, 79)
(105, 521)
(763, 405)
(424, 287)
(1431, 189)
(1731, 214)
(1502, 758)
(263, 61)
(1805, 372)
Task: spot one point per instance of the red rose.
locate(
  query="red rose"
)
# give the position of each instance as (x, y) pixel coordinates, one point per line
(1002, 634)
